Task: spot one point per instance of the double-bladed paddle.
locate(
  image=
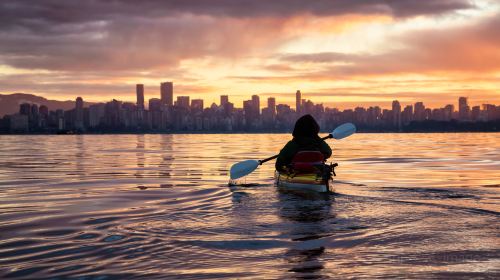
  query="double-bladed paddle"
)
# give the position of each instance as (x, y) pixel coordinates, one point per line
(246, 167)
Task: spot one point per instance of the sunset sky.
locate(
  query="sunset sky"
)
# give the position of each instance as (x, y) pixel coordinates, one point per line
(340, 53)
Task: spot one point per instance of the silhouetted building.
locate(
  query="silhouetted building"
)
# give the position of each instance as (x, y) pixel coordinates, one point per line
(79, 114)
(25, 109)
(463, 109)
(298, 101)
(448, 112)
(476, 110)
(197, 106)
(44, 111)
(112, 114)
(96, 115)
(183, 102)
(224, 99)
(419, 114)
(271, 104)
(256, 104)
(19, 123)
(155, 104)
(139, 90)
(167, 93)
(396, 114)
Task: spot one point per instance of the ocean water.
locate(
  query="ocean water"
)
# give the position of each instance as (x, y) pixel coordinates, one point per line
(409, 206)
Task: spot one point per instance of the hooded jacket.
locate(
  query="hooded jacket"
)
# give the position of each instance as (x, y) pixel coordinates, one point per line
(305, 138)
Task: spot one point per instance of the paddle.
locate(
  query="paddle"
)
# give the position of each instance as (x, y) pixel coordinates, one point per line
(246, 167)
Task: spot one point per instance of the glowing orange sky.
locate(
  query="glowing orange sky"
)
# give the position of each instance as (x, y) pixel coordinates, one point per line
(343, 54)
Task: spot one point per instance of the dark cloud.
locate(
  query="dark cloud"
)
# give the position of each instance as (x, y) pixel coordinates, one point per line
(31, 12)
(126, 34)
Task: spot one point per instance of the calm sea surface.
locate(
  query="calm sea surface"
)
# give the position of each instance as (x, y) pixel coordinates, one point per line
(159, 206)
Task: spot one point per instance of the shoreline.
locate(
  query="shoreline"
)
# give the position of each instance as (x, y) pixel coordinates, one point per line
(237, 132)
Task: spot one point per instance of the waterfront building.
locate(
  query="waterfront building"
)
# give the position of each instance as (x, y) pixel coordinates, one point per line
(463, 109)
(419, 113)
(224, 99)
(298, 101)
(139, 91)
(167, 93)
(183, 102)
(78, 124)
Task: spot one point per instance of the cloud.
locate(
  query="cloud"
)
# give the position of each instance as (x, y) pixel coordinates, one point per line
(466, 49)
(137, 44)
(74, 11)
(115, 35)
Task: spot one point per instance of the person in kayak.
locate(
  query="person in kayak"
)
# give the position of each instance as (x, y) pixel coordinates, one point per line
(305, 138)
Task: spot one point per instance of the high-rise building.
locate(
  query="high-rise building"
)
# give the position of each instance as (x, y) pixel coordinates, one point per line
(248, 111)
(396, 114)
(476, 110)
(167, 93)
(298, 101)
(25, 109)
(155, 104)
(463, 109)
(419, 114)
(271, 104)
(139, 90)
(448, 112)
(96, 114)
(182, 101)
(44, 111)
(224, 99)
(197, 105)
(79, 114)
(490, 112)
(112, 114)
(34, 110)
(256, 104)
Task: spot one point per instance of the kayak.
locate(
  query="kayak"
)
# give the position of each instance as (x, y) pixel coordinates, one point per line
(302, 182)
(307, 172)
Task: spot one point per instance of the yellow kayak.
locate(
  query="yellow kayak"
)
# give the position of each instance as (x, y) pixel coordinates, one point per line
(302, 182)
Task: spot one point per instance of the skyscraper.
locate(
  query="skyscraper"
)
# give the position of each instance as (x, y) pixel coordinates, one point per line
(25, 109)
(256, 104)
(448, 112)
(463, 109)
(419, 111)
(271, 104)
(197, 105)
(155, 105)
(183, 102)
(44, 111)
(79, 114)
(224, 99)
(396, 114)
(298, 100)
(139, 90)
(167, 93)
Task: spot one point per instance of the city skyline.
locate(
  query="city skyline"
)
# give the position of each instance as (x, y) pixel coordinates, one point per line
(169, 112)
(343, 54)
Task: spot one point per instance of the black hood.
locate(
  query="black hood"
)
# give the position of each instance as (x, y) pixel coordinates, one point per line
(306, 126)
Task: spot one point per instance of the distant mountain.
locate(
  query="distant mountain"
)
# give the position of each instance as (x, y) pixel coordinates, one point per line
(9, 103)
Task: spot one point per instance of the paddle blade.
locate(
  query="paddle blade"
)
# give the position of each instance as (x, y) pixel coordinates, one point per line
(343, 131)
(243, 168)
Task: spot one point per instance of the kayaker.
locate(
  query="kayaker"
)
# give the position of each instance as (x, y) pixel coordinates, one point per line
(305, 138)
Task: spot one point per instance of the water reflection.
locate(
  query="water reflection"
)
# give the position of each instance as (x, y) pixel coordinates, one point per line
(167, 154)
(308, 213)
